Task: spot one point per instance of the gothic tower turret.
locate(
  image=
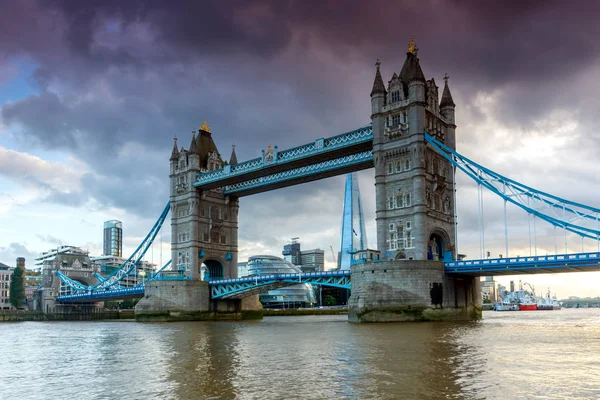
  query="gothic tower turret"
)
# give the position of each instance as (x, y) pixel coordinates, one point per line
(447, 110)
(203, 224)
(414, 186)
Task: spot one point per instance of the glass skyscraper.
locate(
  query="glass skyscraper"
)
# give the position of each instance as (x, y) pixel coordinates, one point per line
(113, 238)
(354, 235)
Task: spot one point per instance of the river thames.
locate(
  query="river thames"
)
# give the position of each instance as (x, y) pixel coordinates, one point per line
(510, 355)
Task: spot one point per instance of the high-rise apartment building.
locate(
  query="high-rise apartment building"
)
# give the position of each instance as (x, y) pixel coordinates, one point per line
(113, 238)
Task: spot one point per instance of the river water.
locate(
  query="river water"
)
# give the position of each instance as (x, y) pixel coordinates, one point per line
(509, 355)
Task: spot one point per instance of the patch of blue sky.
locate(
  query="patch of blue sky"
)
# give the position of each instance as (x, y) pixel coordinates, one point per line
(19, 86)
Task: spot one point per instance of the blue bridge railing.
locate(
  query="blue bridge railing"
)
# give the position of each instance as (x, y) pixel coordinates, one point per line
(531, 264)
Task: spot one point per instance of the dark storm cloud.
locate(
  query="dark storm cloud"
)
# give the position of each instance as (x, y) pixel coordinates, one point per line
(113, 73)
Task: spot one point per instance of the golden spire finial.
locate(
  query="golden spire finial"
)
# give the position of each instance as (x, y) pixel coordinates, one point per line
(204, 127)
(411, 46)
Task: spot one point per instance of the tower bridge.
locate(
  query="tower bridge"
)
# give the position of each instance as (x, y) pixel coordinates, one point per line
(411, 146)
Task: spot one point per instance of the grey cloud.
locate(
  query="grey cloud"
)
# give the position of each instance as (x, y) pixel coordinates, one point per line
(51, 239)
(9, 254)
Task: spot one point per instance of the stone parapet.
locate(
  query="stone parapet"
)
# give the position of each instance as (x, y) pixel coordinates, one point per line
(411, 290)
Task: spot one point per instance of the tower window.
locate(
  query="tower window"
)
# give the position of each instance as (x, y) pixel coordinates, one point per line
(407, 200)
(391, 203)
(407, 164)
(408, 225)
(391, 227)
(395, 120)
(399, 201)
(395, 96)
(390, 168)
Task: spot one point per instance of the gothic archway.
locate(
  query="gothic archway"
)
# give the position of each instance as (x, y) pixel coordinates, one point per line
(213, 268)
(439, 242)
(400, 256)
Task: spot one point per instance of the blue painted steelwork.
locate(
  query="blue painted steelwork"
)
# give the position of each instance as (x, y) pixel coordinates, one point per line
(157, 273)
(364, 157)
(102, 295)
(100, 278)
(242, 287)
(113, 292)
(553, 209)
(318, 147)
(137, 255)
(354, 235)
(126, 268)
(70, 283)
(529, 265)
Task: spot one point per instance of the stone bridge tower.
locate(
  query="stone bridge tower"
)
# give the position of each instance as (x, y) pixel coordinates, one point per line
(414, 185)
(204, 224)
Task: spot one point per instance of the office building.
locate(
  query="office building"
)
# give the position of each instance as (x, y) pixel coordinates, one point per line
(488, 289)
(312, 260)
(308, 260)
(291, 252)
(113, 238)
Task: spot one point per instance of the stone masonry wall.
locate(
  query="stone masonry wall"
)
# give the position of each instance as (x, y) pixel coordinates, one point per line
(411, 291)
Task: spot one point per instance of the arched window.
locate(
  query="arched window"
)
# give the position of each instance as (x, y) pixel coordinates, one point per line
(407, 200)
(390, 168)
(391, 203)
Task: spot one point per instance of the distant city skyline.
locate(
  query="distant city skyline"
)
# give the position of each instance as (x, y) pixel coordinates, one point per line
(89, 107)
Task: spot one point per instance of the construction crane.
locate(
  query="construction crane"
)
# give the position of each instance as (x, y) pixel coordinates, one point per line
(531, 287)
(333, 255)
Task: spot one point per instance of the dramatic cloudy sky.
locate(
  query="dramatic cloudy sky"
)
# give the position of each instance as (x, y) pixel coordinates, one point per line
(92, 93)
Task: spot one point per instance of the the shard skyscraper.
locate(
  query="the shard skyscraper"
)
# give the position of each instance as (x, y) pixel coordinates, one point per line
(354, 236)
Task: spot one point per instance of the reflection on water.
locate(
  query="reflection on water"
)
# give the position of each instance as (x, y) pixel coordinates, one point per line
(507, 356)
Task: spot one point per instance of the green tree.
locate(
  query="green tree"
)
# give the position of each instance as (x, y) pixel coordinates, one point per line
(329, 301)
(17, 288)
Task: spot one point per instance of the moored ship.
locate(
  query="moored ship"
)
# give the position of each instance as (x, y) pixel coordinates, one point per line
(528, 306)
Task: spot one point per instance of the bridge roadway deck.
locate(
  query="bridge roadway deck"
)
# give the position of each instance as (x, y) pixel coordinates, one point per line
(241, 287)
(549, 264)
(102, 295)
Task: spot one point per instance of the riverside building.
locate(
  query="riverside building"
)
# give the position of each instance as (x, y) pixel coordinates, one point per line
(5, 277)
(296, 296)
